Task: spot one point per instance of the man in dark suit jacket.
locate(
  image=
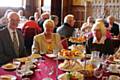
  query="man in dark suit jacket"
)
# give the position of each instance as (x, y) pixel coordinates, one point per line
(7, 49)
(112, 26)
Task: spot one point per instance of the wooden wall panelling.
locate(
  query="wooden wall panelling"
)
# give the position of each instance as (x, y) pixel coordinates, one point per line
(79, 13)
(30, 7)
(56, 9)
(3, 10)
(66, 9)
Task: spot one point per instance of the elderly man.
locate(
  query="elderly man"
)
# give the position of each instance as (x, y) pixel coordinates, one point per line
(112, 26)
(11, 40)
(67, 29)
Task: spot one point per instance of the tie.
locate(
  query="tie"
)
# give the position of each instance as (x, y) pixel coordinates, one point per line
(15, 43)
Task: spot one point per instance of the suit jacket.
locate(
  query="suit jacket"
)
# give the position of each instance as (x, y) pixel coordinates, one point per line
(39, 43)
(114, 29)
(7, 52)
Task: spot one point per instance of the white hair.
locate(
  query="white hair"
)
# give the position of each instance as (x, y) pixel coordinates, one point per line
(11, 13)
(68, 18)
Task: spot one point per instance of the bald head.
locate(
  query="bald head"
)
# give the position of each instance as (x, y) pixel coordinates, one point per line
(13, 20)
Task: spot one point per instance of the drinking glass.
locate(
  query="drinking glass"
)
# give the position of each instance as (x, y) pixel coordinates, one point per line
(55, 51)
(104, 78)
(77, 32)
(95, 55)
(48, 71)
(22, 72)
(17, 63)
(98, 73)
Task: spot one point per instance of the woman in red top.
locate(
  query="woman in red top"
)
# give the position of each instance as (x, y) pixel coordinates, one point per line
(30, 29)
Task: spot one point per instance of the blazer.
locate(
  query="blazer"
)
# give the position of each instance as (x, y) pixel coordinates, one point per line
(7, 52)
(39, 43)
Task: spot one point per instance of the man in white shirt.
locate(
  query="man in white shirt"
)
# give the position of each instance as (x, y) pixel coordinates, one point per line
(7, 50)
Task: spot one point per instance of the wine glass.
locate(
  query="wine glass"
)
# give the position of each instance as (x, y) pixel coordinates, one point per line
(98, 73)
(55, 51)
(49, 71)
(17, 63)
(95, 55)
(104, 78)
(77, 32)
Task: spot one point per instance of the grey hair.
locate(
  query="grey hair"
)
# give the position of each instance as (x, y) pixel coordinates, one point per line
(11, 13)
(68, 18)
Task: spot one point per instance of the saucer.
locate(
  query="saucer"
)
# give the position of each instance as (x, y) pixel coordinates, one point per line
(8, 77)
(9, 66)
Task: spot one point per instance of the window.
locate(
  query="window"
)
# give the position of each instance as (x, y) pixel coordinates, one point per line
(11, 3)
(46, 5)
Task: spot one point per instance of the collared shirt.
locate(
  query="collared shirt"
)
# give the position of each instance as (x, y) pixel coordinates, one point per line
(11, 34)
(102, 40)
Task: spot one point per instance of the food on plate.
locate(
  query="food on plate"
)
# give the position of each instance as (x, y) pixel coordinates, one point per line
(111, 58)
(9, 66)
(7, 77)
(24, 59)
(77, 47)
(114, 77)
(79, 39)
(70, 65)
(70, 54)
(35, 56)
(117, 54)
(71, 76)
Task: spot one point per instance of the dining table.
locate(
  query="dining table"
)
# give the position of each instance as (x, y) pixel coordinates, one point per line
(44, 66)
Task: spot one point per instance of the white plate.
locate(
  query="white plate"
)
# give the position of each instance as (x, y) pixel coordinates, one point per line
(63, 76)
(51, 55)
(64, 69)
(47, 79)
(9, 66)
(8, 77)
(114, 77)
(113, 71)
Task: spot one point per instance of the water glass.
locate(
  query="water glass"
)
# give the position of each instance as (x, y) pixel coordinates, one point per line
(98, 73)
(42, 52)
(56, 50)
(104, 78)
(17, 63)
(95, 55)
(48, 71)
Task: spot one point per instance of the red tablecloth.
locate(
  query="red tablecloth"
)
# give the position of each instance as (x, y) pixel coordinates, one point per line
(39, 75)
(45, 66)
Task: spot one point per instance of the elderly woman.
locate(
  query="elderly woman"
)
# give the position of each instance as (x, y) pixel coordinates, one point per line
(99, 41)
(47, 41)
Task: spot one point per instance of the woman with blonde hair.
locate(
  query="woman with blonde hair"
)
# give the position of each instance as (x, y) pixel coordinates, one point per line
(47, 41)
(99, 41)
